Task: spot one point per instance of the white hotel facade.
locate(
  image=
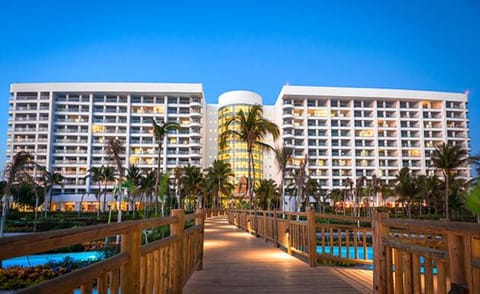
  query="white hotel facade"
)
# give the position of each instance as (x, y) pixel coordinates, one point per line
(342, 132)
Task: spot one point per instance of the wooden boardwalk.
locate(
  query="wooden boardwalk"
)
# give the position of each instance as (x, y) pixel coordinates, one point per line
(237, 262)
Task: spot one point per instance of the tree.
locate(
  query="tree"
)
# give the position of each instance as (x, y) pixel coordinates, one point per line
(312, 188)
(17, 170)
(115, 149)
(96, 175)
(218, 180)
(160, 131)
(108, 177)
(448, 158)
(300, 181)
(192, 182)
(267, 195)
(472, 201)
(336, 196)
(406, 188)
(282, 157)
(177, 175)
(147, 186)
(133, 180)
(250, 128)
(49, 180)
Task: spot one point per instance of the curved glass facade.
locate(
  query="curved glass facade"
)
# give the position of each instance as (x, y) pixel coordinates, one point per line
(235, 152)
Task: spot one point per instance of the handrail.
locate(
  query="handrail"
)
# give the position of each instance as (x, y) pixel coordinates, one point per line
(158, 267)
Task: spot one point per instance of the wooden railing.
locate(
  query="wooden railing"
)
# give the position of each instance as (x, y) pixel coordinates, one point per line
(413, 256)
(162, 266)
(318, 237)
(409, 256)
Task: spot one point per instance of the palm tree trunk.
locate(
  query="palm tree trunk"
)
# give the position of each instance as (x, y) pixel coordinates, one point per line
(105, 197)
(249, 182)
(35, 211)
(4, 215)
(157, 180)
(46, 209)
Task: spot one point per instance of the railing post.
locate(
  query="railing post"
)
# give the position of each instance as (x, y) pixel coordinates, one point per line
(200, 221)
(289, 235)
(130, 272)
(456, 259)
(176, 229)
(312, 237)
(275, 229)
(380, 270)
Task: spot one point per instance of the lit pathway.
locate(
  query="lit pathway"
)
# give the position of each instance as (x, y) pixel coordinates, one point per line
(237, 262)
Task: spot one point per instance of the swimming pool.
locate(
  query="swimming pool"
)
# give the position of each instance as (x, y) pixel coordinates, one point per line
(351, 252)
(39, 259)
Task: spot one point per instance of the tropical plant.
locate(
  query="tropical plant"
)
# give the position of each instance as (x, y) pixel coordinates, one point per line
(218, 180)
(252, 129)
(267, 195)
(17, 170)
(108, 177)
(177, 175)
(96, 176)
(192, 182)
(336, 196)
(406, 188)
(160, 131)
(312, 189)
(472, 201)
(448, 158)
(147, 184)
(115, 149)
(49, 180)
(282, 156)
(133, 180)
(299, 185)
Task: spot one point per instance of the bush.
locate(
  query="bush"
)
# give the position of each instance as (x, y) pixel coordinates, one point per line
(16, 277)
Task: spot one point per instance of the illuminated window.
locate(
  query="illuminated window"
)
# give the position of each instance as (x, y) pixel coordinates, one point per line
(97, 129)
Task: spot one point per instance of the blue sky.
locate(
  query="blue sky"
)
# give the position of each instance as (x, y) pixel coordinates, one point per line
(226, 45)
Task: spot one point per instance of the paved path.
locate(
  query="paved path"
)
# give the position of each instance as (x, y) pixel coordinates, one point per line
(237, 262)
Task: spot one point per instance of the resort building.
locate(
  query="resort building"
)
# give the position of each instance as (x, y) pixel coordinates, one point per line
(343, 134)
(66, 126)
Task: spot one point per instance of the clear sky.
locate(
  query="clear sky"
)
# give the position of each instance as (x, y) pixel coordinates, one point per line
(253, 45)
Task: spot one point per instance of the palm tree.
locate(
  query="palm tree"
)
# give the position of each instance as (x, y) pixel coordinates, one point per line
(147, 184)
(218, 180)
(406, 188)
(282, 157)
(312, 188)
(160, 131)
(300, 181)
(448, 158)
(177, 175)
(108, 177)
(96, 175)
(50, 179)
(17, 170)
(133, 180)
(192, 182)
(267, 194)
(251, 128)
(115, 149)
(336, 196)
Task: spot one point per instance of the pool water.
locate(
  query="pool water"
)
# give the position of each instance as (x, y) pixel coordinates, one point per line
(39, 259)
(351, 253)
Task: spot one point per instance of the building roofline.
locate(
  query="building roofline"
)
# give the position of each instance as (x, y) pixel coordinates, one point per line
(369, 93)
(108, 87)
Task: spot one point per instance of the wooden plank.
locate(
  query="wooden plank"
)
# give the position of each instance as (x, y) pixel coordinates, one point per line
(428, 272)
(236, 262)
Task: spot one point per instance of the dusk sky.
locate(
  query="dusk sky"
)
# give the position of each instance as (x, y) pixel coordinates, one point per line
(227, 45)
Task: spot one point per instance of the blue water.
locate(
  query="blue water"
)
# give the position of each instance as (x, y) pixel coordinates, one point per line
(39, 259)
(351, 253)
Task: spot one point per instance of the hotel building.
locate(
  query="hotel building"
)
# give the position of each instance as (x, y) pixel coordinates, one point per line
(341, 132)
